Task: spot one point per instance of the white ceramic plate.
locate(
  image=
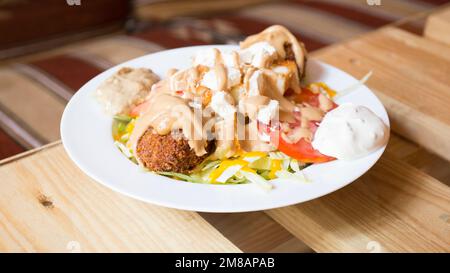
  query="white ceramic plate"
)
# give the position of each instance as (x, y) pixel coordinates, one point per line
(86, 136)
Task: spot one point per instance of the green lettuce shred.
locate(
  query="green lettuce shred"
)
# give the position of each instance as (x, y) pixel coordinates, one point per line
(123, 118)
(181, 176)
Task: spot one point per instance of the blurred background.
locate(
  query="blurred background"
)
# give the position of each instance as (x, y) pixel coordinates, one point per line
(50, 48)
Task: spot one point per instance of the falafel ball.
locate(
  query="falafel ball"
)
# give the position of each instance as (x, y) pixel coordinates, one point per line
(165, 153)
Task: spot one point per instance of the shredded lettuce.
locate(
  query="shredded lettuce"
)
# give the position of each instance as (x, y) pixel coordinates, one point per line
(285, 163)
(258, 171)
(265, 174)
(121, 127)
(211, 165)
(181, 176)
(201, 177)
(123, 149)
(124, 138)
(258, 180)
(278, 155)
(294, 165)
(260, 164)
(296, 177)
(123, 118)
(236, 180)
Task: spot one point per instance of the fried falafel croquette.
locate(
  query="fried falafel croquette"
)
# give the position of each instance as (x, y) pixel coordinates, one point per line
(165, 153)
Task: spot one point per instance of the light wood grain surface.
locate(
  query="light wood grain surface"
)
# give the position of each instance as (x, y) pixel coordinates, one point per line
(393, 208)
(255, 232)
(48, 205)
(410, 76)
(438, 26)
(419, 158)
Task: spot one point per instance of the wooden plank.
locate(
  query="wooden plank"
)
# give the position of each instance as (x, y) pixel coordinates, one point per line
(411, 77)
(28, 153)
(255, 232)
(419, 158)
(250, 232)
(438, 26)
(393, 208)
(48, 205)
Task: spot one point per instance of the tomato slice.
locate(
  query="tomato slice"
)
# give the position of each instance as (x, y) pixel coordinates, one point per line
(309, 97)
(303, 150)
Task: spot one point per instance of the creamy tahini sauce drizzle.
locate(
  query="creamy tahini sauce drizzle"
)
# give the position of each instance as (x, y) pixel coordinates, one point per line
(268, 88)
(165, 97)
(278, 37)
(221, 74)
(166, 112)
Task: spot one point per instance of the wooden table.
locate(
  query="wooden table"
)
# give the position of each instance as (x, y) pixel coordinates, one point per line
(402, 204)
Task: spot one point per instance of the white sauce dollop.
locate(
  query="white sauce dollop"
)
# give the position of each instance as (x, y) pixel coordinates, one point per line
(349, 132)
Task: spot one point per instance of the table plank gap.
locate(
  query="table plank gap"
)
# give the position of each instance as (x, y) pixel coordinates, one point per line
(255, 232)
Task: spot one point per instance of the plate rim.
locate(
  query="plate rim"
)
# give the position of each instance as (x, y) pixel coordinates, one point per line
(79, 163)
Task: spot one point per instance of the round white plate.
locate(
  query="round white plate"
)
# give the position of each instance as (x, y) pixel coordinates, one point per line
(86, 136)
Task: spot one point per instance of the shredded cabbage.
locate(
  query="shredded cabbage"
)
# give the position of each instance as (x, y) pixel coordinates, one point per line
(296, 177)
(261, 164)
(124, 138)
(259, 169)
(123, 118)
(123, 149)
(278, 155)
(181, 176)
(294, 165)
(257, 179)
(236, 180)
(211, 165)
